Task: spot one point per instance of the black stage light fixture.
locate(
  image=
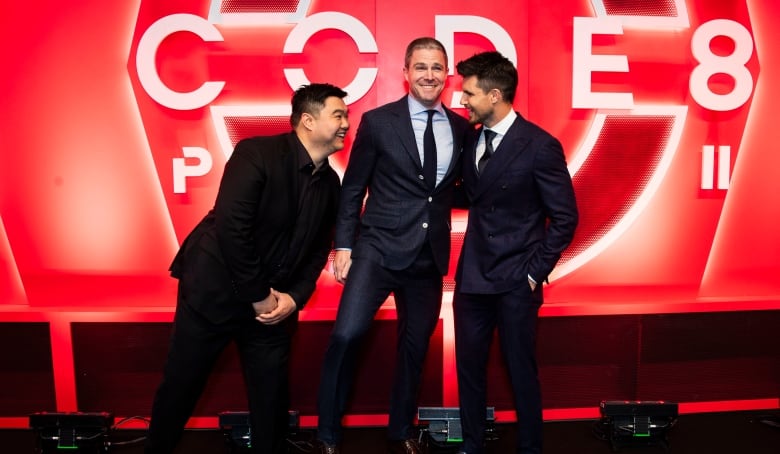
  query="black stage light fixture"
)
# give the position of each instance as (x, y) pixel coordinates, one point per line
(441, 426)
(625, 423)
(236, 430)
(71, 432)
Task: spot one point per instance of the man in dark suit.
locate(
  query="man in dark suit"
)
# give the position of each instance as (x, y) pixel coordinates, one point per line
(250, 264)
(522, 215)
(406, 155)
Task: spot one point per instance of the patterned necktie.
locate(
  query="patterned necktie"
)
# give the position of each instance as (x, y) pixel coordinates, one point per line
(489, 135)
(429, 152)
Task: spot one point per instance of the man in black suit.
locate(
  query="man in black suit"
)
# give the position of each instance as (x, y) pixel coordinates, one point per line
(250, 264)
(406, 156)
(522, 215)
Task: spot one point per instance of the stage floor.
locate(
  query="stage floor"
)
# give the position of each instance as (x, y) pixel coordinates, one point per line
(711, 433)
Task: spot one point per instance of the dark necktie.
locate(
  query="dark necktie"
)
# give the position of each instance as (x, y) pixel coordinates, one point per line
(489, 135)
(429, 152)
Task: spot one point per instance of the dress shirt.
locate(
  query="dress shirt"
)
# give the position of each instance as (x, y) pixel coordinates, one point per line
(442, 132)
(314, 191)
(500, 129)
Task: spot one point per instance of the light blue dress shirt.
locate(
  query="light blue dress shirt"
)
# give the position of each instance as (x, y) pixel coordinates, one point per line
(442, 133)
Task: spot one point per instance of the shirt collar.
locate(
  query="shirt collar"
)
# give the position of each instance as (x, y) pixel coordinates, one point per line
(305, 163)
(503, 126)
(416, 107)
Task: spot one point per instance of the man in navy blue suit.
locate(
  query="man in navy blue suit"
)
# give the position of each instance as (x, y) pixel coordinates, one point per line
(522, 215)
(406, 156)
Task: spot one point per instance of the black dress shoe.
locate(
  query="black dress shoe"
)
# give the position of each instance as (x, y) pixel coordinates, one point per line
(324, 448)
(409, 446)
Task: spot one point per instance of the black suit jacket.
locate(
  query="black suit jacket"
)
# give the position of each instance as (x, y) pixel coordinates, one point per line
(400, 211)
(522, 212)
(240, 248)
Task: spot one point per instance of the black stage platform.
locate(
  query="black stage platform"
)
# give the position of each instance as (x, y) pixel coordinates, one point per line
(754, 432)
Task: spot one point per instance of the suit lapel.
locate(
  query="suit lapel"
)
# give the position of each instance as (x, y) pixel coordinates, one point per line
(457, 144)
(468, 165)
(511, 147)
(402, 124)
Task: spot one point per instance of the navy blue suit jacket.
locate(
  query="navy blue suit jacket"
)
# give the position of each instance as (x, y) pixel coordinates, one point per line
(401, 211)
(522, 211)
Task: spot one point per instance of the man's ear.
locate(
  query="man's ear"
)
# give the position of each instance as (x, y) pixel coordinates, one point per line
(496, 95)
(307, 120)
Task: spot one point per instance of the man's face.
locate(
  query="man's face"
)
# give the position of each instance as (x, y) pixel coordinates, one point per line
(332, 123)
(479, 104)
(426, 74)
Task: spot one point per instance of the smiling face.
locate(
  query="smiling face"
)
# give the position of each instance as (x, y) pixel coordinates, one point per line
(330, 125)
(426, 74)
(480, 105)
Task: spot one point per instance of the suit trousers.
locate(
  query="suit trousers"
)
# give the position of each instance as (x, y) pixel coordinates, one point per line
(418, 291)
(195, 346)
(515, 315)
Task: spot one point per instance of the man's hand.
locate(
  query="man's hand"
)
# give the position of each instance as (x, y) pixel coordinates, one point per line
(266, 305)
(341, 263)
(285, 306)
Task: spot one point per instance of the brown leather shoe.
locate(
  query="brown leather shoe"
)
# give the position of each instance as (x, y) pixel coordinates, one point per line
(324, 448)
(409, 446)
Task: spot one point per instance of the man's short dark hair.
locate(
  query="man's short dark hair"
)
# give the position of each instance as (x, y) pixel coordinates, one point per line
(311, 98)
(492, 70)
(426, 42)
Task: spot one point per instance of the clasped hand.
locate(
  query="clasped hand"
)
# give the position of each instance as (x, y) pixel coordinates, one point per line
(276, 307)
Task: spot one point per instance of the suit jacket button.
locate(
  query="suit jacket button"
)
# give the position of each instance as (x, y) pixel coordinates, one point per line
(425, 225)
(420, 177)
